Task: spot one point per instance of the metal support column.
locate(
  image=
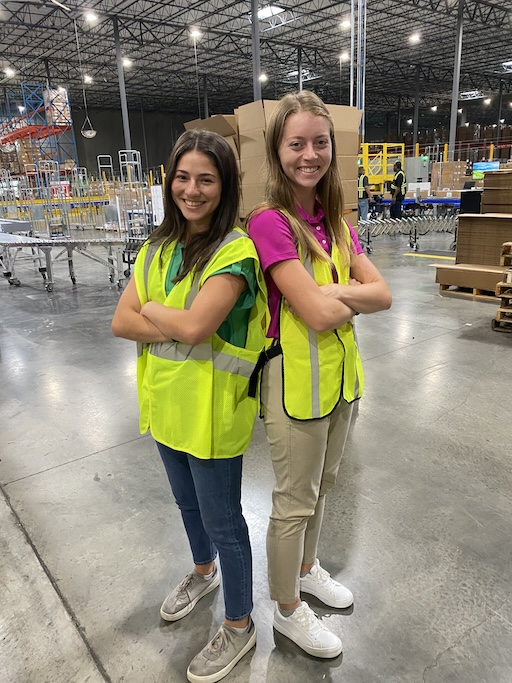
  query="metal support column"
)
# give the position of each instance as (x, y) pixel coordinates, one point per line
(256, 68)
(143, 125)
(352, 41)
(416, 107)
(456, 81)
(299, 68)
(500, 107)
(205, 98)
(399, 119)
(47, 69)
(122, 90)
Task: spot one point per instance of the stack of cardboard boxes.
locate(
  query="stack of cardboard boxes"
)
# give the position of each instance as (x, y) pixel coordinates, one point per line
(497, 194)
(477, 260)
(245, 131)
(448, 176)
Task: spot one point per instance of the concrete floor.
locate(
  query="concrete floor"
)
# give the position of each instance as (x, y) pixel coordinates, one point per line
(419, 525)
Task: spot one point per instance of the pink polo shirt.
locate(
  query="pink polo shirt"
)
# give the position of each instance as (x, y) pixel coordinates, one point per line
(274, 240)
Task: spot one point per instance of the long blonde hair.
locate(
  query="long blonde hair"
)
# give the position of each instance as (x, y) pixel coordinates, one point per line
(279, 192)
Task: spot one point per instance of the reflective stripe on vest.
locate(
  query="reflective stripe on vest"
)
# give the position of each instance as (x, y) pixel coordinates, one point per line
(361, 192)
(319, 368)
(180, 352)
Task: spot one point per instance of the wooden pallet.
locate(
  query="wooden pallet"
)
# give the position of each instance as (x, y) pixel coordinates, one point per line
(504, 290)
(467, 293)
(501, 326)
(504, 313)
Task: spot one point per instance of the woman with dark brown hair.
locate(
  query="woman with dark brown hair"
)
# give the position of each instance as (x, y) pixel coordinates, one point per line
(196, 306)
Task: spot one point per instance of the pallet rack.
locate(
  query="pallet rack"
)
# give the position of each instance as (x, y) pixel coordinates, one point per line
(503, 320)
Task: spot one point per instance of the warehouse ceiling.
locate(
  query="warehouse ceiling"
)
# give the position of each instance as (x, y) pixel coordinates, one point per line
(170, 69)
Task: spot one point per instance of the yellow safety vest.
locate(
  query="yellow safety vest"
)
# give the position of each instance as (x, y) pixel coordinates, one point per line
(360, 187)
(403, 188)
(319, 368)
(194, 398)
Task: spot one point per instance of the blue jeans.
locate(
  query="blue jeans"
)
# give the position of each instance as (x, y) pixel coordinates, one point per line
(362, 208)
(207, 493)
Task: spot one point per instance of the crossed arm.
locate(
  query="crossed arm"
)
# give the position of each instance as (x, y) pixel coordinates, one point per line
(154, 322)
(329, 306)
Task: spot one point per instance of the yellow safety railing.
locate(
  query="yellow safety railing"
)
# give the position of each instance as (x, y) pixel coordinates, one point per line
(378, 159)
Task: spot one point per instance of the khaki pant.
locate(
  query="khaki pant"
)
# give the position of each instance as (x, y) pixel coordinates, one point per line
(306, 457)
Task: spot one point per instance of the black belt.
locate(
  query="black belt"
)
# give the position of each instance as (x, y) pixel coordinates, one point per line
(263, 359)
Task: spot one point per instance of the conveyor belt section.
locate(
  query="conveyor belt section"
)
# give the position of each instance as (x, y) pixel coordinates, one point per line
(413, 227)
(43, 259)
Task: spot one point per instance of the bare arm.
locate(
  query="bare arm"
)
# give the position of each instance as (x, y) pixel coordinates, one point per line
(209, 309)
(370, 296)
(305, 297)
(128, 321)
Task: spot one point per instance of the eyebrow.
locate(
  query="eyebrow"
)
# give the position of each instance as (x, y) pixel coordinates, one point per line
(211, 175)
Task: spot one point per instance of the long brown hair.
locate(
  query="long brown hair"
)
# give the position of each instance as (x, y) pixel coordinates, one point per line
(279, 192)
(200, 247)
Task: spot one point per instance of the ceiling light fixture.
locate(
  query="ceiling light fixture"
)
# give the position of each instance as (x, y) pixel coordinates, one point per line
(414, 38)
(409, 121)
(471, 95)
(344, 56)
(459, 111)
(434, 108)
(263, 78)
(269, 11)
(91, 17)
(487, 101)
(195, 33)
(9, 72)
(59, 4)
(21, 108)
(345, 24)
(127, 63)
(87, 79)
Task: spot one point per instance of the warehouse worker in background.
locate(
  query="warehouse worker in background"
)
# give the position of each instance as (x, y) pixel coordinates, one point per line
(363, 195)
(197, 306)
(318, 279)
(398, 189)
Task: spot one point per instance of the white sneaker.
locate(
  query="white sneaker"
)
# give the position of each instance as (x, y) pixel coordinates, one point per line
(319, 583)
(308, 632)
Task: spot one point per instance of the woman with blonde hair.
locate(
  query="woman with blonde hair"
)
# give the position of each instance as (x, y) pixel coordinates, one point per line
(318, 279)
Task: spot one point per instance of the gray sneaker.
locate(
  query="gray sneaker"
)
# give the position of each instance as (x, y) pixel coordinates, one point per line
(184, 597)
(223, 652)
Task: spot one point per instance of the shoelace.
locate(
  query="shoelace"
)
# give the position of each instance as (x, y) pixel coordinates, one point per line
(182, 588)
(323, 576)
(220, 642)
(306, 617)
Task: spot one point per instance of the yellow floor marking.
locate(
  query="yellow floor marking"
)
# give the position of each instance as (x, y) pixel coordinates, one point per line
(444, 258)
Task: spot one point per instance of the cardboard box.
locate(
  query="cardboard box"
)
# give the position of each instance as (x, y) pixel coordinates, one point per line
(481, 236)
(347, 167)
(495, 208)
(255, 115)
(252, 144)
(497, 196)
(253, 170)
(351, 218)
(223, 124)
(471, 276)
(350, 192)
(252, 195)
(499, 180)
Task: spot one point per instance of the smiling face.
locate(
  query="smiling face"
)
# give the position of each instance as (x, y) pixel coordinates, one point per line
(196, 190)
(305, 153)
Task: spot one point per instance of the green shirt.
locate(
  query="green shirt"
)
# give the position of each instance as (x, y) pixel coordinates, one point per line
(234, 328)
